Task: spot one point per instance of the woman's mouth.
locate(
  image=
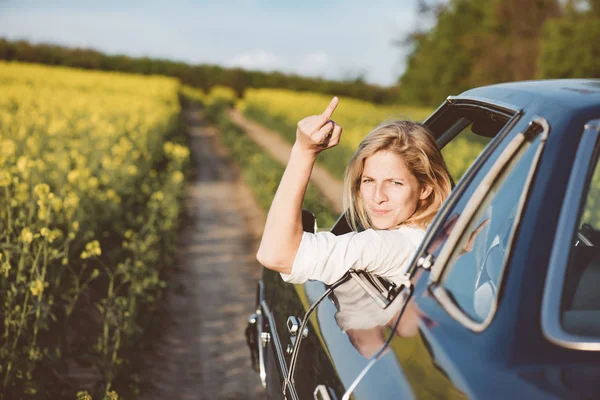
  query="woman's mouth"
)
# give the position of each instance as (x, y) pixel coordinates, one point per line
(379, 212)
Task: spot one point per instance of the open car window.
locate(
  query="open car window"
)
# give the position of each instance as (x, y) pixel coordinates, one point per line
(463, 130)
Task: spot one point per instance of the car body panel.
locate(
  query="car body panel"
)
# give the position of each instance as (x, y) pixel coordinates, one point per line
(430, 354)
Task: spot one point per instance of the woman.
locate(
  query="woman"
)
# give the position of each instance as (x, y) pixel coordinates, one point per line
(394, 184)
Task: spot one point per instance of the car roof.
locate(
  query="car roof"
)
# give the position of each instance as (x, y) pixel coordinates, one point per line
(574, 94)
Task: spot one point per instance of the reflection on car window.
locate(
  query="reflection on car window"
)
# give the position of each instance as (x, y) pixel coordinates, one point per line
(441, 235)
(580, 313)
(474, 270)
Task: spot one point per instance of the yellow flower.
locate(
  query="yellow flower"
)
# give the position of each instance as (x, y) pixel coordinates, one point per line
(41, 190)
(73, 176)
(91, 249)
(93, 182)
(83, 395)
(51, 235)
(4, 268)
(112, 395)
(22, 164)
(26, 235)
(71, 201)
(36, 287)
(177, 177)
(56, 204)
(157, 196)
(7, 147)
(5, 178)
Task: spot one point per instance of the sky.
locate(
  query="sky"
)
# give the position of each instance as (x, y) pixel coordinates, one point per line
(333, 39)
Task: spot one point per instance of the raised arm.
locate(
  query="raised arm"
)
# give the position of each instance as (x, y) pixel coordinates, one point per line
(283, 228)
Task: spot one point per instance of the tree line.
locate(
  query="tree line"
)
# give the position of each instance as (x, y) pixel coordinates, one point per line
(473, 43)
(199, 76)
(469, 43)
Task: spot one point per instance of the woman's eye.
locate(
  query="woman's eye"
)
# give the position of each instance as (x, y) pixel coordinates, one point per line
(365, 180)
(397, 183)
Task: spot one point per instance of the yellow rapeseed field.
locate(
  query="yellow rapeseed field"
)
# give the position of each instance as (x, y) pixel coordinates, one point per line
(356, 116)
(282, 109)
(89, 187)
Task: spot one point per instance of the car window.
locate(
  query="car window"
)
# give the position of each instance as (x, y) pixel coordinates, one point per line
(462, 193)
(580, 311)
(474, 269)
(460, 153)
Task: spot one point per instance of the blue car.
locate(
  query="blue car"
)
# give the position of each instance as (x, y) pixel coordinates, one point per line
(502, 299)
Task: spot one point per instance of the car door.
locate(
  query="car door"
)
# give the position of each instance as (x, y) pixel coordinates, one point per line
(352, 352)
(328, 362)
(282, 310)
(443, 341)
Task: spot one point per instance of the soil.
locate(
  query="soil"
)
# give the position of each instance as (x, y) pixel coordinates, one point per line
(201, 352)
(278, 148)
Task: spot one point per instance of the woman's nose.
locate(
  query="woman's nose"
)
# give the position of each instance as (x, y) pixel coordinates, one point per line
(379, 194)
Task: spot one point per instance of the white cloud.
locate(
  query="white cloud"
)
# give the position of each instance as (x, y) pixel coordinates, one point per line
(315, 64)
(258, 59)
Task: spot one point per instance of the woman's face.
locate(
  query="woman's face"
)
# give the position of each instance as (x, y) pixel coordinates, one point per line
(389, 190)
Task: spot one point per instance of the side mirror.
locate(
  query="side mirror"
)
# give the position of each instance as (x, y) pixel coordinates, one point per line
(309, 221)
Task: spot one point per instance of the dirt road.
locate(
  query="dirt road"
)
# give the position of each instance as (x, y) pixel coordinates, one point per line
(278, 148)
(202, 353)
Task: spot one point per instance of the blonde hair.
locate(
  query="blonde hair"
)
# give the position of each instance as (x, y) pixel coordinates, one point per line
(416, 145)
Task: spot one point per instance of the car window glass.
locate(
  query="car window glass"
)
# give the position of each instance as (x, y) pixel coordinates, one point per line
(580, 313)
(463, 194)
(474, 270)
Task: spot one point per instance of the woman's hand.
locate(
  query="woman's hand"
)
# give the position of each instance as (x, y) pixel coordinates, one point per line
(318, 132)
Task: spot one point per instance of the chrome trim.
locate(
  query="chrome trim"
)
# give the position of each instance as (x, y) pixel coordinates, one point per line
(439, 268)
(277, 344)
(559, 258)
(321, 393)
(505, 107)
(262, 370)
(593, 124)
(293, 325)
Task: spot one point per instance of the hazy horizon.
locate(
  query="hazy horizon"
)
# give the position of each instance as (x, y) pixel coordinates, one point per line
(334, 40)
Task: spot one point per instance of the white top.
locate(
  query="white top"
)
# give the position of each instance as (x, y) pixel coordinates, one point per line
(358, 310)
(326, 257)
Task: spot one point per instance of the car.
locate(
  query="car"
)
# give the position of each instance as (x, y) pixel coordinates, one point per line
(502, 298)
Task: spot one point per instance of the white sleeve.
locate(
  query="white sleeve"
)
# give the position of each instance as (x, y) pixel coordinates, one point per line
(326, 257)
